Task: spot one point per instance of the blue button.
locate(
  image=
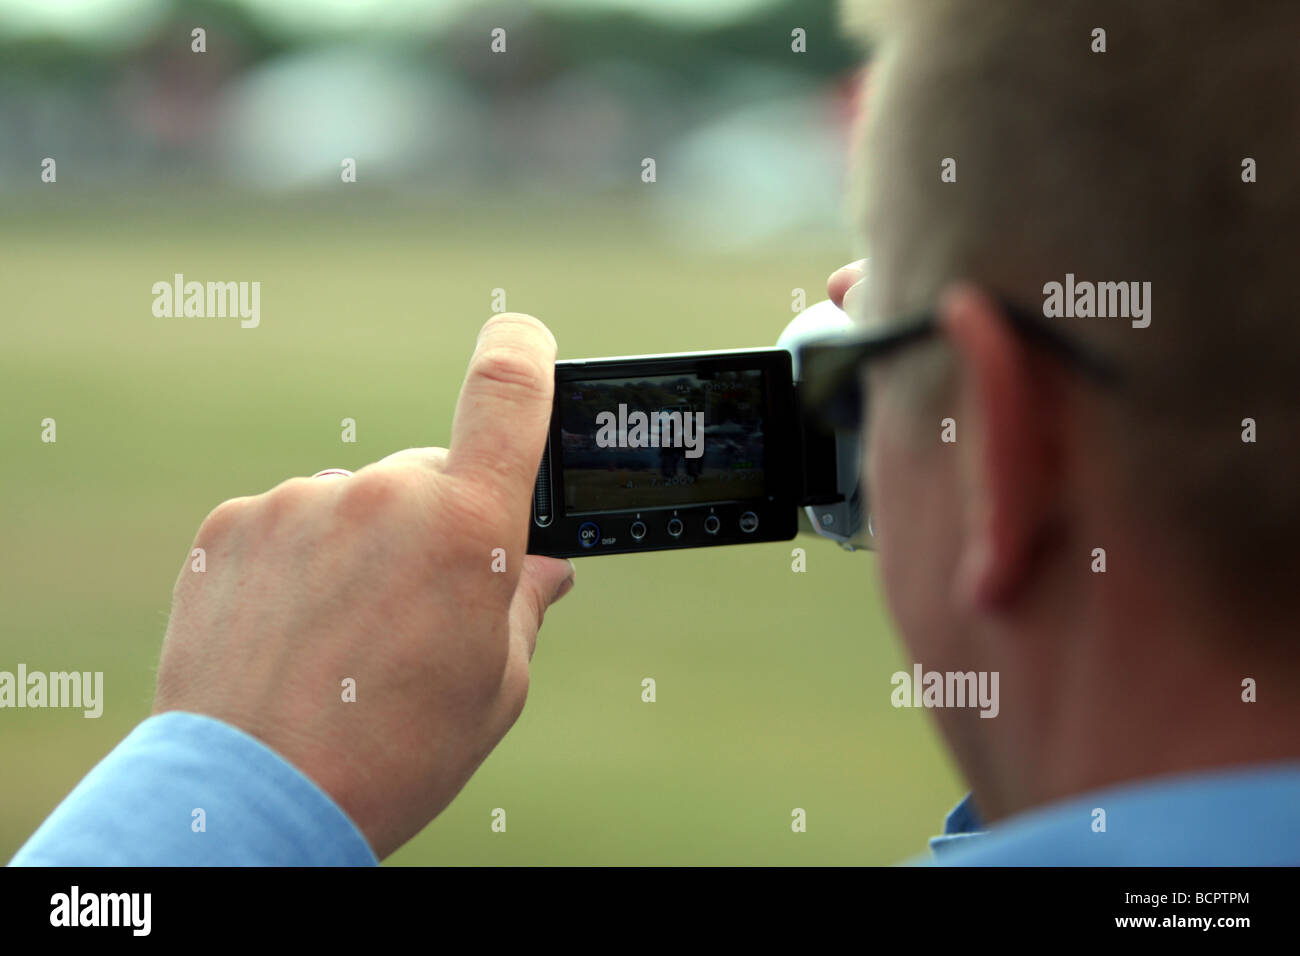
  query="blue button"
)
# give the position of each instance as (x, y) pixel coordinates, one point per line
(589, 534)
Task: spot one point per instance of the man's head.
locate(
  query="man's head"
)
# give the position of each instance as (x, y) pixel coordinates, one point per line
(1012, 145)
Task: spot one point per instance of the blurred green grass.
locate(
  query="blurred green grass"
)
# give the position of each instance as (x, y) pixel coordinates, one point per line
(773, 687)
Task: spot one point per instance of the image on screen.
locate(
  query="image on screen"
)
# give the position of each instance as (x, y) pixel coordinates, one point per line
(708, 446)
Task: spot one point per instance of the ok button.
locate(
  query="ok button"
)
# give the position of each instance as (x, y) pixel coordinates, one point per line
(589, 534)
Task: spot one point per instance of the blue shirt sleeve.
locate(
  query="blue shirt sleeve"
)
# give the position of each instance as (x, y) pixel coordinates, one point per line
(138, 806)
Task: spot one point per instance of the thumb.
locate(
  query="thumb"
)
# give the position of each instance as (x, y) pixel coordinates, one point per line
(503, 414)
(542, 582)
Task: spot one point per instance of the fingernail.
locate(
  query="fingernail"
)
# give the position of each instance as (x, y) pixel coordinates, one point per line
(852, 298)
(549, 334)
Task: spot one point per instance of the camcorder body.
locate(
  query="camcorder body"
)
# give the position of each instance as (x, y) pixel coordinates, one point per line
(693, 450)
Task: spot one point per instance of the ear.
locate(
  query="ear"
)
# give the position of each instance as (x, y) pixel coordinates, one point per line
(1010, 450)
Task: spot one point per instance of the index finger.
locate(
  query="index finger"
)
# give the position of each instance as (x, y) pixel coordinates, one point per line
(504, 411)
(843, 279)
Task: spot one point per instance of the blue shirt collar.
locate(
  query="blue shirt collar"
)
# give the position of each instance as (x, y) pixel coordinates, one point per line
(962, 825)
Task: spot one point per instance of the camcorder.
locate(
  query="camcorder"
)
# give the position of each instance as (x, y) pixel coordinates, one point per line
(696, 449)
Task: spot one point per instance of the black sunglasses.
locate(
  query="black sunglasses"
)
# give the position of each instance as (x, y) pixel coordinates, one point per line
(828, 368)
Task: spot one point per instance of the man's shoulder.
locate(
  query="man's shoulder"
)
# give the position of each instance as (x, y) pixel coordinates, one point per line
(1244, 817)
